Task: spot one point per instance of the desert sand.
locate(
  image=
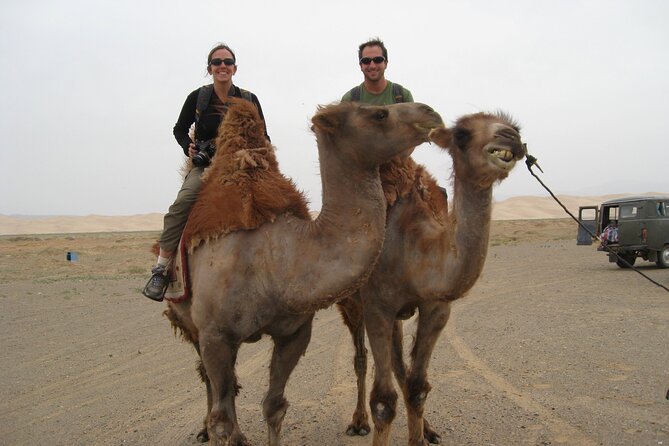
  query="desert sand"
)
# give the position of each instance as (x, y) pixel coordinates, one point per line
(516, 208)
(553, 346)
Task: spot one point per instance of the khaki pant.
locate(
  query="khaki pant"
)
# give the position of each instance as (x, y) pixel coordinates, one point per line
(177, 215)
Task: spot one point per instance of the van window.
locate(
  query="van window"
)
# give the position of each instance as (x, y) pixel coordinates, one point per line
(628, 211)
(610, 213)
(662, 208)
(588, 214)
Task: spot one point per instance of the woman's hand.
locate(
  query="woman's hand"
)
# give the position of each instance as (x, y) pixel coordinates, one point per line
(191, 150)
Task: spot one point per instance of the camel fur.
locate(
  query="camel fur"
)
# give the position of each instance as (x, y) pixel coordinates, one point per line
(431, 256)
(267, 271)
(243, 187)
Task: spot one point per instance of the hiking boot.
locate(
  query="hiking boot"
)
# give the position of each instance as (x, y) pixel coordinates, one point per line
(157, 284)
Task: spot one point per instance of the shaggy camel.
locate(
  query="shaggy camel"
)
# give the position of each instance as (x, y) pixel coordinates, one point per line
(430, 257)
(271, 278)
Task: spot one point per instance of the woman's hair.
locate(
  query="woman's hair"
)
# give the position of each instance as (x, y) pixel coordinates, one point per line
(220, 46)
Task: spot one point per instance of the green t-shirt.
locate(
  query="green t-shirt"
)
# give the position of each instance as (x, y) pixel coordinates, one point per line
(384, 98)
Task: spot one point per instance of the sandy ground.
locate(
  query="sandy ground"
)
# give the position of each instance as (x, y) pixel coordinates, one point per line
(515, 208)
(553, 346)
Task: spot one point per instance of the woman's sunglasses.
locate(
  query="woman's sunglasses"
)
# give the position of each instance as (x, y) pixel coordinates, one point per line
(377, 60)
(216, 62)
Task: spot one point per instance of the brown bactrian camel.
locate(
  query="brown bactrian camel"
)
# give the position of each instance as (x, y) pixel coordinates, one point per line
(272, 277)
(430, 257)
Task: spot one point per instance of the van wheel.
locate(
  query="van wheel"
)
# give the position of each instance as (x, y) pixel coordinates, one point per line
(663, 257)
(628, 257)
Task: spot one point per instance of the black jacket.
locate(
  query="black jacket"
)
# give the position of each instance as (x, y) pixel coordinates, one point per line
(210, 119)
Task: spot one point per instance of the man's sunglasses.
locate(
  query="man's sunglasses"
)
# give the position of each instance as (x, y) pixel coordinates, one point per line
(377, 60)
(216, 62)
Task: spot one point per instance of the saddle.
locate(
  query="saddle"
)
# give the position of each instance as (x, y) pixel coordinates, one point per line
(178, 287)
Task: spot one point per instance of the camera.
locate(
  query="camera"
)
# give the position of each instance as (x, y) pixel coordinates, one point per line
(205, 152)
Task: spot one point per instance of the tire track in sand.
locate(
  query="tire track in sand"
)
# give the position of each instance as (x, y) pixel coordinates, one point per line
(560, 428)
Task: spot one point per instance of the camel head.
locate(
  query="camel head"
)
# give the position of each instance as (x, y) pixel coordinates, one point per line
(484, 147)
(370, 134)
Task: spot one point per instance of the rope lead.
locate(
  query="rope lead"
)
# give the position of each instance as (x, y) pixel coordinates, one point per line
(531, 161)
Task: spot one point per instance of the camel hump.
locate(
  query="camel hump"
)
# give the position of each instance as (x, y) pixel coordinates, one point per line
(243, 187)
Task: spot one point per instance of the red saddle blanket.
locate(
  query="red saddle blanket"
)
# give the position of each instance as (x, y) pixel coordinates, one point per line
(178, 288)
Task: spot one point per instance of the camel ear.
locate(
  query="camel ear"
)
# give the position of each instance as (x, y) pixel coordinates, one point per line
(326, 120)
(441, 136)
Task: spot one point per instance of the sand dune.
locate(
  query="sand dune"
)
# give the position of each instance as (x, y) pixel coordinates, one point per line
(515, 208)
(532, 207)
(77, 224)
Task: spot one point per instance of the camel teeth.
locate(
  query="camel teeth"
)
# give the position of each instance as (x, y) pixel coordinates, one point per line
(504, 155)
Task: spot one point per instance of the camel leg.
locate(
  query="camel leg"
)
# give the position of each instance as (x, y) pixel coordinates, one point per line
(351, 310)
(219, 358)
(399, 368)
(286, 354)
(203, 435)
(383, 398)
(432, 320)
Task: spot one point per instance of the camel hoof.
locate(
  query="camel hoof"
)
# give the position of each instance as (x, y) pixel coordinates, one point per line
(203, 436)
(432, 437)
(430, 434)
(357, 430)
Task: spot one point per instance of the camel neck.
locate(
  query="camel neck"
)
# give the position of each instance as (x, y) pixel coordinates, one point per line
(348, 233)
(347, 186)
(472, 209)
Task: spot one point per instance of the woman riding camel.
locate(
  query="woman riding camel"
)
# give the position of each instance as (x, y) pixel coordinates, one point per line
(204, 107)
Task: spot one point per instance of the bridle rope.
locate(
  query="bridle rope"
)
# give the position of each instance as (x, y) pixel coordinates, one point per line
(531, 161)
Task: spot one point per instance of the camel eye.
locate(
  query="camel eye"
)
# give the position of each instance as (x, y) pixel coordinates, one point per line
(461, 137)
(381, 115)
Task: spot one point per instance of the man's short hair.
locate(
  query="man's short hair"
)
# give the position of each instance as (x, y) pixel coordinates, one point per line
(373, 42)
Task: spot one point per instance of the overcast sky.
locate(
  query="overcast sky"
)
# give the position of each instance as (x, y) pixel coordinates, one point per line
(91, 89)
